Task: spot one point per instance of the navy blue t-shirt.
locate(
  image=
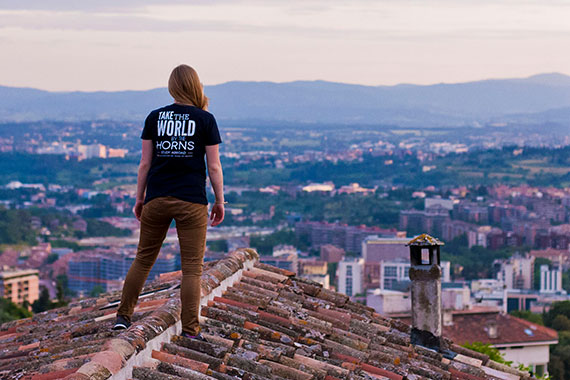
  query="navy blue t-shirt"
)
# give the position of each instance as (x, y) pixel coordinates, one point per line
(179, 134)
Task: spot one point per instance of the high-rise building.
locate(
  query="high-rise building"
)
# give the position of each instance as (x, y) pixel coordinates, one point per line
(429, 220)
(107, 271)
(346, 237)
(394, 274)
(516, 272)
(350, 277)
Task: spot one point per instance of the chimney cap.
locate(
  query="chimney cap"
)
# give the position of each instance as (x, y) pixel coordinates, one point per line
(424, 240)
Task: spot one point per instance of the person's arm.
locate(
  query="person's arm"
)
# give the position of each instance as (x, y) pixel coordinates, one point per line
(144, 167)
(217, 181)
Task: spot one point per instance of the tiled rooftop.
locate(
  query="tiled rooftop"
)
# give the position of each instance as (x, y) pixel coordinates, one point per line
(470, 326)
(260, 322)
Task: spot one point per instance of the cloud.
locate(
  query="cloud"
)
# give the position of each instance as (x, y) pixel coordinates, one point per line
(362, 41)
(72, 5)
(362, 20)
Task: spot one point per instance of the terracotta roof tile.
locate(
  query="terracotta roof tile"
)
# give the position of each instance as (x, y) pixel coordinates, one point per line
(472, 327)
(268, 324)
(180, 360)
(52, 375)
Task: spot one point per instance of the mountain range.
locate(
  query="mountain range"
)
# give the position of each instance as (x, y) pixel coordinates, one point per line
(540, 98)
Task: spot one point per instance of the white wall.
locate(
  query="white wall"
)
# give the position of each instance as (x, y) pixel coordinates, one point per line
(527, 355)
(388, 301)
(456, 298)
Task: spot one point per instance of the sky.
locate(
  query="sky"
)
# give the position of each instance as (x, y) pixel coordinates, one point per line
(109, 45)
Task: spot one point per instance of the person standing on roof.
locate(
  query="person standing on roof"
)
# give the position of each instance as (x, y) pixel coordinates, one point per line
(171, 185)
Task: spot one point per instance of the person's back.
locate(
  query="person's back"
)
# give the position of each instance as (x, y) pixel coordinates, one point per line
(171, 185)
(180, 134)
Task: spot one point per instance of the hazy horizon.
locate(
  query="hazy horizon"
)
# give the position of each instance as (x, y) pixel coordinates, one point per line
(298, 80)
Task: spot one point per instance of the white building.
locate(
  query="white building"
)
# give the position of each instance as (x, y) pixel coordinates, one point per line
(516, 272)
(387, 302)
(323, 187)
(322, 279)
(284, 249)
(350, 276)
(394, 272)
(376, 249)
(455, 296)
(445, 203)
(550, 279)
(92, 151)
(520, 341)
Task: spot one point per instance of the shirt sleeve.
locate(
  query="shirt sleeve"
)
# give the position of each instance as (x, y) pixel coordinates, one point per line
(212, 133)
(149, 130)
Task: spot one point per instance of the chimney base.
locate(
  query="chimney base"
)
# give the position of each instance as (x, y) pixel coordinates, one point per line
(426, 339)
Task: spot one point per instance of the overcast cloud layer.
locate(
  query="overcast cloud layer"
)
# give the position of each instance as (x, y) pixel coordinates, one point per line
(114, 45)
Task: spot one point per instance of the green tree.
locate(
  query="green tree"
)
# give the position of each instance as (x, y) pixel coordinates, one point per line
(566, 281)
(560, 354)
(557, 308)
(528, 315)
(561, 323)
(537, 263)
(97, 228)
(556, 367)
(60, 243)
(264, 243)
(97, 289)
(331, 271)
(63, 291)
(15, 227)
(52, 258)
(487, 349)
(43, 303)
(474, 261)
(9, 311)
(218, 245)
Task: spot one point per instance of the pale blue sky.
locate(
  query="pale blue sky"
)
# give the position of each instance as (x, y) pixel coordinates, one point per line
(117, 45)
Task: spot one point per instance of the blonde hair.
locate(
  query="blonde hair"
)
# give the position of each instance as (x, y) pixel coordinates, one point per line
(185, 87)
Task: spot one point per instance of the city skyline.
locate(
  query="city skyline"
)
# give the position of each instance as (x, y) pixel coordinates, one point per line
(64, 46)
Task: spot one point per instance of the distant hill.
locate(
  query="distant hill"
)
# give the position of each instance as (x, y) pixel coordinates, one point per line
(537, 97)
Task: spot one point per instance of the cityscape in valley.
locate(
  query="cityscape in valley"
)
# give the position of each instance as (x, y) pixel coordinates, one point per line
(335, 204)
(364, 190)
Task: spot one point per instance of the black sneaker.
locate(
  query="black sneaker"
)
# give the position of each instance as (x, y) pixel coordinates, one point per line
(197, 337)
(123, 322)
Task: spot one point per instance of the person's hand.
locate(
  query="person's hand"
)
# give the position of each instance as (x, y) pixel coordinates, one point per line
(217, 214)
(137, 210)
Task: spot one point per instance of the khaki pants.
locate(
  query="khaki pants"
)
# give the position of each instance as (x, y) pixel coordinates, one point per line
(191, 224)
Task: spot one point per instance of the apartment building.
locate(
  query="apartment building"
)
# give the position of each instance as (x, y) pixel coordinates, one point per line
(19, 286)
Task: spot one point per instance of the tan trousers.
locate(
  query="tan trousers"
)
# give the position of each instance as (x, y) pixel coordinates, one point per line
(191, 224)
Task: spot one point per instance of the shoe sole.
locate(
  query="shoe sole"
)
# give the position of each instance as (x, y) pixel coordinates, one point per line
(120, 326)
